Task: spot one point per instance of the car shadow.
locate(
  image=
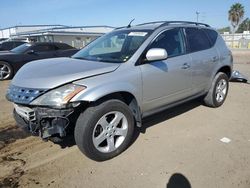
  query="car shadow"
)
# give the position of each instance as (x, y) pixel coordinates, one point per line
(164, 116)
(10, 134)
(240, 81)
(178, 180)
(67, 141)
(147, 122)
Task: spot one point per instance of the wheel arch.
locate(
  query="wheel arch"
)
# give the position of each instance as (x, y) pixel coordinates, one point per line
(125, 96)
(227, 70)
(129, 99)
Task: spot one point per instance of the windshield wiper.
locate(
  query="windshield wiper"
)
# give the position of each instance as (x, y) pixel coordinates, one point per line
(100, 59)
(79, 58)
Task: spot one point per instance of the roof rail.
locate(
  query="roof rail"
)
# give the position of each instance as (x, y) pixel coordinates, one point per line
(142, 24)
(164, 23)
(156, 22)
(185, 22)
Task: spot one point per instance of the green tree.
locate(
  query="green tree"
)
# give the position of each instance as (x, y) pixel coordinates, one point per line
(224, 29)
(244, 26)
(235, 15)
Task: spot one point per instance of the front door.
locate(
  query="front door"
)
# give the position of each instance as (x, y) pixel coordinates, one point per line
(169, 80)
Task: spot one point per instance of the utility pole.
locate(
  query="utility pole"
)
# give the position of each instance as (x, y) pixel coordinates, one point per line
(197, 16)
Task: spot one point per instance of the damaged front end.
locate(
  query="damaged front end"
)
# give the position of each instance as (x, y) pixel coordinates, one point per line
(45, 112)
(44, 122)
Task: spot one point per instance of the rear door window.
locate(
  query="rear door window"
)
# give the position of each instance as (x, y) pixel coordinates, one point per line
(197, 39)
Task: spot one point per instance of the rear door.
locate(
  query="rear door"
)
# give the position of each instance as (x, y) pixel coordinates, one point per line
(169, 80)
(204, 57)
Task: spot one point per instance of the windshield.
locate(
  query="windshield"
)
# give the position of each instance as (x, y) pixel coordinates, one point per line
(21, 49)
(115, 47)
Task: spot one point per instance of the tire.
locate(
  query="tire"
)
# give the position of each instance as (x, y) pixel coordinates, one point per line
(218, 91)
(96, 122)
(6, 71)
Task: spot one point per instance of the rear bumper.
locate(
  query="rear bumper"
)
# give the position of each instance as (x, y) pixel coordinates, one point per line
(44, 122)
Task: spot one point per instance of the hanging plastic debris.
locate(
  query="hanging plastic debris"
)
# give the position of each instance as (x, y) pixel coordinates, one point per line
(238, 77)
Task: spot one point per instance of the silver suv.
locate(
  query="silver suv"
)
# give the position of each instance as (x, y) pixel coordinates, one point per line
(104, 90)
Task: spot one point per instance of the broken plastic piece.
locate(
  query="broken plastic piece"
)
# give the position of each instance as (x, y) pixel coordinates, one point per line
(238, 77)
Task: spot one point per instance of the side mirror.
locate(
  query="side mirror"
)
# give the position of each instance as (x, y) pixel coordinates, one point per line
(155, 54)
(30, 52)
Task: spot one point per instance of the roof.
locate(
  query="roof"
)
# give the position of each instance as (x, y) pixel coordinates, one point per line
(157, 24)
(57, 33)
(67, 30)
(38, 43)
(56, 25)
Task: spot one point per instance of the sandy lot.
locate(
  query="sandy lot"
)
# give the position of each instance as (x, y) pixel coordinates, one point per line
(179, 147)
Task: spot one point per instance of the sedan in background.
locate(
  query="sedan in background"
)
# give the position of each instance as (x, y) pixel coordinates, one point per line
(12, 61)
(9, 45)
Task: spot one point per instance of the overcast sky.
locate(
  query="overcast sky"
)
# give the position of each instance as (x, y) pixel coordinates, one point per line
(114, 12)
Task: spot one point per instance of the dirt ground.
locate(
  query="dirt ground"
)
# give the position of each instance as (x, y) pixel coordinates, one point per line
(179, 147)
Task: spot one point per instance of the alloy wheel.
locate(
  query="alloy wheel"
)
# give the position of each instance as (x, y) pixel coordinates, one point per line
(110, 131)
(221, 90)
(4, 71)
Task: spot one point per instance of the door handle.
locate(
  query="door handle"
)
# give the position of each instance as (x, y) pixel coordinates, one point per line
(185, 66)
(215, 58)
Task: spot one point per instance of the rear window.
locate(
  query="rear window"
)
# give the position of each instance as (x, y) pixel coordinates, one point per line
(19, 43)
(7, 45)
(197, 40)
(43, 48)
(212, 35)
(63, 46)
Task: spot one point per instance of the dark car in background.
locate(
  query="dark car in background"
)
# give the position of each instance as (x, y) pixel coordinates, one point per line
(12, 61)
(9, 45)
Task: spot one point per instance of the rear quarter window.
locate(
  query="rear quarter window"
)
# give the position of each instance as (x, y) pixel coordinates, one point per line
(212, 35)
(197, 39)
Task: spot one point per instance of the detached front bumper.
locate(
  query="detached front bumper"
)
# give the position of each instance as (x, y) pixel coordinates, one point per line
(44, 122)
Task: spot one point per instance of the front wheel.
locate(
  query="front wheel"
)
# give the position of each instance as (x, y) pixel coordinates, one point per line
(218, 92)
(104, 130)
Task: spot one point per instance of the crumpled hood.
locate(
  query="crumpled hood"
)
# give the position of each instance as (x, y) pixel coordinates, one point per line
(50, 73)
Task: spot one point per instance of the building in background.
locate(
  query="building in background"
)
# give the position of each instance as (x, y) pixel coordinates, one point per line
(237, 40)
(75, 36)
(7, 33)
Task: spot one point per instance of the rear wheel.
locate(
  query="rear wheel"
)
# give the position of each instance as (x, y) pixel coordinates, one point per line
(6, 71)
(218, 91)
(105, 130)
